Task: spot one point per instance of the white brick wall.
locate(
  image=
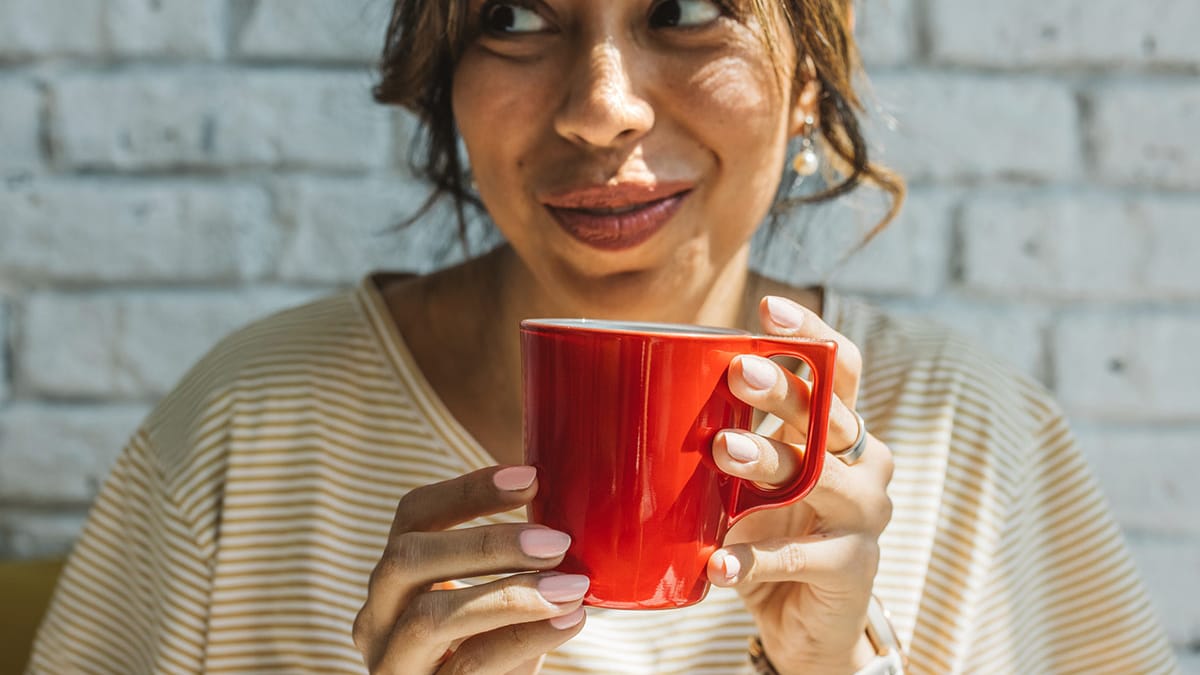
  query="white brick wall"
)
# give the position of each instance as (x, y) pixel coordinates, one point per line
(1046, 33)
(1146, 133)
(169, 170)
(162, 232)
(212, 118)
(954, 127)
(19, 124)
(36, 29)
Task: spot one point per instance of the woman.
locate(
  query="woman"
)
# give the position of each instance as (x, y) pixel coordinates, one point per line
(627, 151)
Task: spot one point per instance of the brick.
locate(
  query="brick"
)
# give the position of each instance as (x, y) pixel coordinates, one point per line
(911, 257)
(1065, 32)
(4, 352)
(886, 32)
(31, 28)
(1013, 334)
(61, 454)
(965, 128)
(1146, 473)
(1170, 568)
(1145, 134)
(206, 119)
(344, 229)
(132, 345)
(30, 534)
(329, 30)
(1134, 365)
(41, 28)
(1082, 246)
(158, 28)
(19, 125)
(135, 232)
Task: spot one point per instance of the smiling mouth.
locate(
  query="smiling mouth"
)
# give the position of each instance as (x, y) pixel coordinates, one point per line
(615, 218)
(618, 228)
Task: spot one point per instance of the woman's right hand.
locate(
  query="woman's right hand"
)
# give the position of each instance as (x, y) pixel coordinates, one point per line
(413, 618)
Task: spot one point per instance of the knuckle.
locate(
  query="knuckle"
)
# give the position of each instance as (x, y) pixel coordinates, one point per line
(421, 619)
(885, 510)
(407, 508)
(509, 598)
(491, 544)
(793, 558)
(360, 631)
(405, 552)
(466, 661)
(518, 636)
(866, 558)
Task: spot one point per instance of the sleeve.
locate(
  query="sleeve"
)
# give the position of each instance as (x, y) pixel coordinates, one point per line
(1062, 594)
(134, 595)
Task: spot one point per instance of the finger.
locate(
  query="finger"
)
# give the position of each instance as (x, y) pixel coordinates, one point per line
(765, 461)
(418, 559)
(436, 619)
(505, 649)
(432, 507)
(855, 498)
(840, 563)
(439, 506)
(412, 561)
(781, 316)
(765, 385)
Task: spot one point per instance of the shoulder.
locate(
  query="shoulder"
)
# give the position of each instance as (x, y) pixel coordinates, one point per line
(928, 366)
(326, 338)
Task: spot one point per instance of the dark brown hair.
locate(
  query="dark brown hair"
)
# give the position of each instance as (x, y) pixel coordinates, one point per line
(426, 37)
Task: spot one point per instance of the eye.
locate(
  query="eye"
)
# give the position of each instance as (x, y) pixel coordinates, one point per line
(510, 18)
(684, 13)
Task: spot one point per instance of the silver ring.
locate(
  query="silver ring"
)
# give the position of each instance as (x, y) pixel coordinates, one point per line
(852, 454)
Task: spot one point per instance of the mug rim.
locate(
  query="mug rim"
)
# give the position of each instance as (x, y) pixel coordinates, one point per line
(639, 328)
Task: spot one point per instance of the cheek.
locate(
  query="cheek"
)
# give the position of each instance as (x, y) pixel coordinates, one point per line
(493, 108)
(745, 115)
(745, 126)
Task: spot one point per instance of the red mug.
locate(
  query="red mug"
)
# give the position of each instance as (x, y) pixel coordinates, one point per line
(619, 422)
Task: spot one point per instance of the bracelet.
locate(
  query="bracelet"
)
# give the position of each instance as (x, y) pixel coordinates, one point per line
(889, 660)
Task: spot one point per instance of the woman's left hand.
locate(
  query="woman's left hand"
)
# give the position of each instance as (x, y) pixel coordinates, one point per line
(805, 571)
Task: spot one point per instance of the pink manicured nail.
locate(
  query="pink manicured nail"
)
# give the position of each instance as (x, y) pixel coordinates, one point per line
(785, 313)
(514, 478)
(567, 620)
(740, 448)
(730, 566)
(544, 543)
(758, 372)
(563, 587)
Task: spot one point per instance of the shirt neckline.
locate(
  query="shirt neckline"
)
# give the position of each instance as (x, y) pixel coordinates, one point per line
(404, 366)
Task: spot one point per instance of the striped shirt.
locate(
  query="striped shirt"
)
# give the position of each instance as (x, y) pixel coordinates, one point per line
(237, 529)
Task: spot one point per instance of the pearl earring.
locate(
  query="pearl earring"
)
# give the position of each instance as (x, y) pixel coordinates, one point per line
(806, 162)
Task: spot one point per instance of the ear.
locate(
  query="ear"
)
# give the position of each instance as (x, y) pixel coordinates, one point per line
(809, 94)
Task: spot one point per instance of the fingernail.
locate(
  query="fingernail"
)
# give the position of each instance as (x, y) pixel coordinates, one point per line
(544, 543)
(758, 372)
(567, 620)
(563, 587)
(514, 478)
(730, 566)
(740, 447)
(785, 313)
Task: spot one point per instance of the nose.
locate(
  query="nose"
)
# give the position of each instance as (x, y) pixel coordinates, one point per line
(602, 109)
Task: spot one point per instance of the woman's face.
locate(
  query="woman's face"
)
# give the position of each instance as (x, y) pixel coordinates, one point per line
(627, 149)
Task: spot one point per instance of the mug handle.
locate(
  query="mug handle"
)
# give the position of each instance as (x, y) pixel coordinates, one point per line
(745, 497)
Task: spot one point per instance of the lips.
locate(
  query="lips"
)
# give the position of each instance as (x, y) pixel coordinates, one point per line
(616, 217)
